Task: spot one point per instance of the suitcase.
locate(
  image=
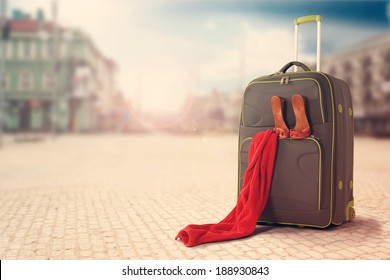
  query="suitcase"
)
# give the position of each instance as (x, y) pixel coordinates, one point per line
(312, 181)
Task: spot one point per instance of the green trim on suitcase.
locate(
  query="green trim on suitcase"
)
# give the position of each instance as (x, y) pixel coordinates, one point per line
(347, 210)
(333, 136)
(353, 127)
(239, 163)
(307, 19)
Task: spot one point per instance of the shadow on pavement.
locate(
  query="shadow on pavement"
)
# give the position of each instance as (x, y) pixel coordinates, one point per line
(367, 227)
(262, 229)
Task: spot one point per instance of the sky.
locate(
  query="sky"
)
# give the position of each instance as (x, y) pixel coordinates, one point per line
(170, 50)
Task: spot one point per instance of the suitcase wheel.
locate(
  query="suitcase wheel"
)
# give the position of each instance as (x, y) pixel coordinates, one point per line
(351, 214)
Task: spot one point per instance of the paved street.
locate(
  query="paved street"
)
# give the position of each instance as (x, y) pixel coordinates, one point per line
(126, 197)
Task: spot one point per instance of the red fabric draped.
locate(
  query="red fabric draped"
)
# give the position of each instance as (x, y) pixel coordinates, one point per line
(241, 221)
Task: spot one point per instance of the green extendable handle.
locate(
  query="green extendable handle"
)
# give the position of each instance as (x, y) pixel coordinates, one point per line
(307, 19)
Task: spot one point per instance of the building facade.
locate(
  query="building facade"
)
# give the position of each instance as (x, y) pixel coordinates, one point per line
(366, 69)
(55, 78)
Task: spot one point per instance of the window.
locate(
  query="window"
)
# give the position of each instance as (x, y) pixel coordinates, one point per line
(367, 61)
(43, 49)
(387, 57)
(4, 81)
(25, 81)
(62, 50)
(367, 79)
(347, 72)
(54, 48)
(368, 97)
(385, 66)
(25, 49)
(20, 49)
(50, 49)
(347, 67)
(48, 81)
(9, 49)
(32, 51)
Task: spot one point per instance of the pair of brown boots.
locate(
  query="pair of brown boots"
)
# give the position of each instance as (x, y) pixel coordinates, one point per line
(302, 127)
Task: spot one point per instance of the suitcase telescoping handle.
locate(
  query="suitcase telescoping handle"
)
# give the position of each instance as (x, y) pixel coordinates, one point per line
(308, 19)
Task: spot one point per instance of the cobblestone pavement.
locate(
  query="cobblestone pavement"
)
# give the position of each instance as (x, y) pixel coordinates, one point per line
(126, 197)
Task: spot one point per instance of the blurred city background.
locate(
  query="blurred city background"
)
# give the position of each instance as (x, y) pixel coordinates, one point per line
(119, 121)
(176, 66)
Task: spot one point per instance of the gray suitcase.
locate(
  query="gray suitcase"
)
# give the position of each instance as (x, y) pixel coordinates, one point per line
(312, 182)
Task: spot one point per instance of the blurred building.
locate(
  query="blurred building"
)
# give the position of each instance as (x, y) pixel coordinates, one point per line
(217, 111)
(366, 69)
(55, 75)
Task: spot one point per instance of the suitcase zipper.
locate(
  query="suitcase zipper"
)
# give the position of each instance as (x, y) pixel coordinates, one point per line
(285, 80)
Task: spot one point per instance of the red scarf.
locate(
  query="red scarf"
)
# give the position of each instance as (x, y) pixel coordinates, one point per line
(242, 220)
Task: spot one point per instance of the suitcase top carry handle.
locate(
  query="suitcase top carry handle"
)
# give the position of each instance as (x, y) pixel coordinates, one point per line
(295, 63)
(308, 19)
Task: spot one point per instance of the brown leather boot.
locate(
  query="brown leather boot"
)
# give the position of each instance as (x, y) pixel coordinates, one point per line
(302, 127)
(277, 105)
